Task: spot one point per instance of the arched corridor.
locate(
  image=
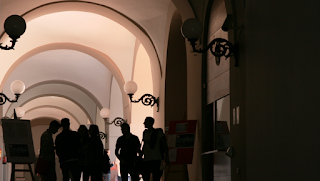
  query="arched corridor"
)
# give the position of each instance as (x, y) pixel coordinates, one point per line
(76, 56)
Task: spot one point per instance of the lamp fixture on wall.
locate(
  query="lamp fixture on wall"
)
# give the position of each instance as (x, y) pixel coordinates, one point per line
(17, 87)
(192, 30)
(105, 113)
(147, 99)
(14, 26)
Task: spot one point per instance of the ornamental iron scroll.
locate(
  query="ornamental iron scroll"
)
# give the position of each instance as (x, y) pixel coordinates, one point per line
(147, 100)
(4, 98)
(118, 121)
(102, 135)
(13, 43)
(222, 48)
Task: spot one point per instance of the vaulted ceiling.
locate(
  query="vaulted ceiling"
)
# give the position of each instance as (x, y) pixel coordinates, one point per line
(74, 52)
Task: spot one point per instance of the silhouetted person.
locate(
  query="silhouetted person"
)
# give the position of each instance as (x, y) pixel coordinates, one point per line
(155, 149)
(95, 154)
(47, 150)
(83, 153)
(129, 146)
(67, 149)
(106, 172)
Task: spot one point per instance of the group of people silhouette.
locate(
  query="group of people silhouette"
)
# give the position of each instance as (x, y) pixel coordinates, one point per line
(82, 152)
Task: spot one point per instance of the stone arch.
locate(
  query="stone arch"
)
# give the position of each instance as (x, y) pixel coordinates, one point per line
(103, 58)
(41, 121)
(107, 12)
(90, 116)
(55, 107)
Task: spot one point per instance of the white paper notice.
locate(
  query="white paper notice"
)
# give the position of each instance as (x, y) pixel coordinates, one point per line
(172, 140)
(173, 155)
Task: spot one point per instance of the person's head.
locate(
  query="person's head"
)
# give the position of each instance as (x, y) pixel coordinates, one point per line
(125, 128)
(148, 122)
(93, 130)
(54, 126)
(65, 123)
(83, 131)
(108, 152)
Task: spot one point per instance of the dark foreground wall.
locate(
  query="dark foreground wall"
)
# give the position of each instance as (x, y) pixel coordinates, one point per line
(282, 90)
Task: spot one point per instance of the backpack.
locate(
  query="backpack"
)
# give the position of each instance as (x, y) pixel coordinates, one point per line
(163, 147)
(105, 162)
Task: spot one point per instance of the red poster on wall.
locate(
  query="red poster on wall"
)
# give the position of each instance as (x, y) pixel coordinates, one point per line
(181, 141)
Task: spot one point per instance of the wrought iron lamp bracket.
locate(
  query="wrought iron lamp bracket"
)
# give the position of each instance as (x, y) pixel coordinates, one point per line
(102, 135)
(13, 42)
(147, 100)
(4, 98)
(117, 121)
(222, 48)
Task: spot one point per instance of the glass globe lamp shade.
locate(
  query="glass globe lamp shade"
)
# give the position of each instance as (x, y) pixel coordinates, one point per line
(191, 29)
(20, 112)
(130, 87)
(15, 26)
(17, 87)
(105, 112)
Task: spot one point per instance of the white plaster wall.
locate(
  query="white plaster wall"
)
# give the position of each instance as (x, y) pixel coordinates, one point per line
(116, 109)
(142, 76)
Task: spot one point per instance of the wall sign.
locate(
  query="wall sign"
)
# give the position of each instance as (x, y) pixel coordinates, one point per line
(181, 141)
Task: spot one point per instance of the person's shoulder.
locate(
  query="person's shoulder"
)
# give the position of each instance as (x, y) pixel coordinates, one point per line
(46, 133)
(61, 134)
(120, 138)
(160, 129)
(46, 136)
(160, 132)
(135, 137)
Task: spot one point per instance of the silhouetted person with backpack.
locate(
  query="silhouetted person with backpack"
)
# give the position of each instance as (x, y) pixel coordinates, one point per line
(155, 149)
(67, 148)
(129, 146)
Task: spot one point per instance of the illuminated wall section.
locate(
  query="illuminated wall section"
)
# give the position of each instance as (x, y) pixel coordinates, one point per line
(142, 76)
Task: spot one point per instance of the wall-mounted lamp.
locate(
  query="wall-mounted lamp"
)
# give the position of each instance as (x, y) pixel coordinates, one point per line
(105, 113)
(192, 30)
(17, 87)
(147, 99)
(14, 26)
